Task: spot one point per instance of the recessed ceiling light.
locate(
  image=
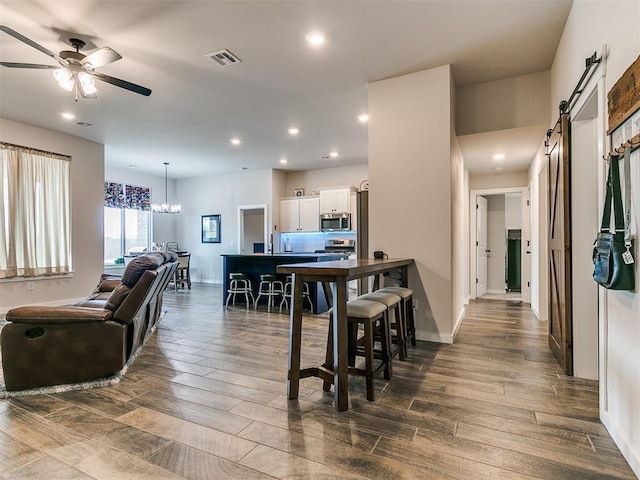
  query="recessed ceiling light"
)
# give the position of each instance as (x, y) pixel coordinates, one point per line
(294, 131)
(283, 160)
(499, 156)
(236, 141)
(67, 115)
(333, 154)
(363, 118)
(316, 38)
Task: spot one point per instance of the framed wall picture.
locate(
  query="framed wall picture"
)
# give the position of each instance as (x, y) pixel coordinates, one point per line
(211, 229)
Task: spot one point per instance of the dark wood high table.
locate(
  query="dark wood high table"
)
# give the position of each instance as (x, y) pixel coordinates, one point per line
(334, 275)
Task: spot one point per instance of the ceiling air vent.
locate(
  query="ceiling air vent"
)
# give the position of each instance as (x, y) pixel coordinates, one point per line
(224, 58)
(84, 124)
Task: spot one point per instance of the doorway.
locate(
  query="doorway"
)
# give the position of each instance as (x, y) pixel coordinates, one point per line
(252, 229)
(584, 223)
(500, 245)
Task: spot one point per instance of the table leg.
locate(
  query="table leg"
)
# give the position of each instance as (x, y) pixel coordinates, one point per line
(340, 345)
(295, 337)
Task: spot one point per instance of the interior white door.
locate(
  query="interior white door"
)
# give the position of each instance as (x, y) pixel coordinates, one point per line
(481, 246)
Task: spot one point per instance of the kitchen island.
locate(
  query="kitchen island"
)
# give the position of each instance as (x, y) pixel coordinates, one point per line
(254, 265)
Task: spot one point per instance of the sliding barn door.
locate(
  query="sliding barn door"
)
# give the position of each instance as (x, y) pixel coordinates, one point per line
(560, 335)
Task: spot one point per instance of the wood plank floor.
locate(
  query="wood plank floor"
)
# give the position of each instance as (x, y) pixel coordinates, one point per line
(206, 399)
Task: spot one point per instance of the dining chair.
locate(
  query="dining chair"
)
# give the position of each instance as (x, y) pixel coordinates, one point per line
(182, 274)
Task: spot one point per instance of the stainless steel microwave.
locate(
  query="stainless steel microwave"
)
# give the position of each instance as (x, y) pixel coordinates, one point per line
(335, 222)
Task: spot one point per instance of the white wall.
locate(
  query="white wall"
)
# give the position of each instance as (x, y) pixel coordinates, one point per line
(467, 239)
(253, 229)
(509, 103)
(459, 212)
(496, 243)
(494, 180)
(513, 210)
(278, 189)
(539, 220)
(87, 200)
(588, 28)
(163, 225)
(313, 180)
(585, 221)
(217, 194)
(410, 190)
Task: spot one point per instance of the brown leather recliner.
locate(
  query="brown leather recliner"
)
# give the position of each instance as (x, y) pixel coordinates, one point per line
(44, 345)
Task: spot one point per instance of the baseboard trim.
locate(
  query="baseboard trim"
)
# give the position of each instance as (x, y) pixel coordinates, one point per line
(535, 311)
(435, 337)
(458, 323)
(632, 457)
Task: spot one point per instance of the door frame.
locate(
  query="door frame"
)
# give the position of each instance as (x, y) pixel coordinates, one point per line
(241, 211)
(472, 235)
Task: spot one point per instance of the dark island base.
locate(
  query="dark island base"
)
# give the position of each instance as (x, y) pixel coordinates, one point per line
(255, 265)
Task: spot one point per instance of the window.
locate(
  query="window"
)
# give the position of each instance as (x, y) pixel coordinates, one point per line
(35, 212)
(127, 221)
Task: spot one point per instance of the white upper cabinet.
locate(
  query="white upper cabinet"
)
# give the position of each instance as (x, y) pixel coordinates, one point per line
(309, 214)
(335, 201)
(300, 215)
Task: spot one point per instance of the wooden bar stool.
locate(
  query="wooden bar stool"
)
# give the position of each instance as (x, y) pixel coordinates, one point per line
(269, 287)
(239, 284)
(371, 315)
(392, 303)
(407, 310)
(288, 291)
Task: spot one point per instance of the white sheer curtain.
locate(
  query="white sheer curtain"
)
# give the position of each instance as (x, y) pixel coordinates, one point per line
(35, 228)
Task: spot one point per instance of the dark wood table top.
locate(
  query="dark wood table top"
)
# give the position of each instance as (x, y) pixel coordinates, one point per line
(350, 269)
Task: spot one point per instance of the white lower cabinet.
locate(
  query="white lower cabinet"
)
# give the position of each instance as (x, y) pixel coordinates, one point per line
(300, 215)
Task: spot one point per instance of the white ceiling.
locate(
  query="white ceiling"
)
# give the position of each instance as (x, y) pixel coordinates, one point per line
(197, 106)
(518, 145)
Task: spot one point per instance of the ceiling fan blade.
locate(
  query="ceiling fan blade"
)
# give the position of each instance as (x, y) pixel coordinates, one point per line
(31, 43)
(101, 57)
(121, 83)
(29, 65)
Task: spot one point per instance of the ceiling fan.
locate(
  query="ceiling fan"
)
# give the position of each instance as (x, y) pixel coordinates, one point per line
(76, 70)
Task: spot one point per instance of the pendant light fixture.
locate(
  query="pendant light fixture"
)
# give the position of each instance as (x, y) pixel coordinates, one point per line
(165, 207)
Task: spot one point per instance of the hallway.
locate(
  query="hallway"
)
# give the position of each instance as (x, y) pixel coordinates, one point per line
(206, 399)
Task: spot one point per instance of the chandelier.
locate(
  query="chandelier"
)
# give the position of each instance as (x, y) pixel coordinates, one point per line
(165, 207)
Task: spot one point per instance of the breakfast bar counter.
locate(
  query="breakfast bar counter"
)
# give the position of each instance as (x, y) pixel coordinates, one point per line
(334, 275)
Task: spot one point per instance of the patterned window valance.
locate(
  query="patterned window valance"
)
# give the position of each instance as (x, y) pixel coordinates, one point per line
(118, 195)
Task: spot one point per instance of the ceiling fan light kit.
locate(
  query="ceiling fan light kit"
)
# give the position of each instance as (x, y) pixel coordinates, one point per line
(76, 70)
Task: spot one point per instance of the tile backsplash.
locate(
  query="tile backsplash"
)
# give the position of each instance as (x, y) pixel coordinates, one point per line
(312, 241)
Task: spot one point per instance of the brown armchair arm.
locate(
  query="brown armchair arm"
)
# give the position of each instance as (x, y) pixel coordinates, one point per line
(57, 315)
